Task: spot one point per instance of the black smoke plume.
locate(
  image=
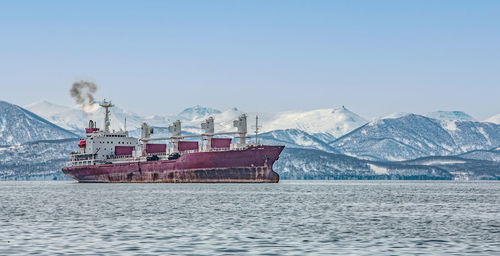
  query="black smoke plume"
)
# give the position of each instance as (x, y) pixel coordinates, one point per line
(83, 92)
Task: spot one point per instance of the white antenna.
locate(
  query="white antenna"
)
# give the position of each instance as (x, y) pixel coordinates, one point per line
(125, 125)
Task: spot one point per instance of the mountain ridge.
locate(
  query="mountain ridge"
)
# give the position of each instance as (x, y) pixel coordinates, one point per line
(18, 126)
(331, 122)
(375, 150)
(494, 119)
(413, 136)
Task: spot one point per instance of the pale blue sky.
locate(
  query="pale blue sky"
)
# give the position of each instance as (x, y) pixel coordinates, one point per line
(374, 57)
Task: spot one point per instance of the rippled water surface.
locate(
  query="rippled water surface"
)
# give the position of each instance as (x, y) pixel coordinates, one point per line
(292, 217)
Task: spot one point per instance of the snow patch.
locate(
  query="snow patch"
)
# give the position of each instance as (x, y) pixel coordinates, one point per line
(394, 115)
(450, 115)
(442, 162)
(450, 126)
(485, 134)
(378, 169)
(4, 125)
(494, 119)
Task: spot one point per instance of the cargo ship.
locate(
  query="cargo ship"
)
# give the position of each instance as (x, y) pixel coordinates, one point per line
(225, 157)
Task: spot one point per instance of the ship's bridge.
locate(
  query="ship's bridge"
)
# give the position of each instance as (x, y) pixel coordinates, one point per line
(100, 145)
(103, 144)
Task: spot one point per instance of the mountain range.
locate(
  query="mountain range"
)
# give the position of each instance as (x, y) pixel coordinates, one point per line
(412, 136)
(315, 164)
(320, 144)
(330, 123)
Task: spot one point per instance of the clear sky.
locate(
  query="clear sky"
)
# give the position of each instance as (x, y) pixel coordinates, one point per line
(374, 57)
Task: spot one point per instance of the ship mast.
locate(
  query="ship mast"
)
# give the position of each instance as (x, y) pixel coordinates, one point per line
(106, 106)
(256, 130)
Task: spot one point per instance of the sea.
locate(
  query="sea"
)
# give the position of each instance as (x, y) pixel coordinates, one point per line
(288, 218)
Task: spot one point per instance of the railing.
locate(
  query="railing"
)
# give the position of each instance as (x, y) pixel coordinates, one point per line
(214, 149)
(75, 158)
(79, 163)
(189, 151)
(218, 149)
(158, 154)
(119, 157)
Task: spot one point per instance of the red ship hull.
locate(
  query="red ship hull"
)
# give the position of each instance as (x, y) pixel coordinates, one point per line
(253, 164)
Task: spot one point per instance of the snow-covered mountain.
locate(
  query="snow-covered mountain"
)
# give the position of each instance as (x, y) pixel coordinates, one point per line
(312, 150)
(333, 121)
(294, 138)
(326, 123)
(197, 112)
(76, 119)
(494, 119)
(450, 115)
(37, 149)
(18, 126)
(414, 136)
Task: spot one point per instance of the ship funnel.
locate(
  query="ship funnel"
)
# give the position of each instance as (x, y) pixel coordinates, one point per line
(208, 126)
(175, 129)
